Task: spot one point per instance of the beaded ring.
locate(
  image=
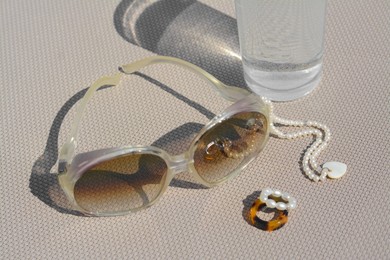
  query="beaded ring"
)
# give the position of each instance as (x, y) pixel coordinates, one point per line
(276, 201)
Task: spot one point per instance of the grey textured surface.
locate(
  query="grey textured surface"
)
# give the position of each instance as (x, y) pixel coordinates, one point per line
(52, 50)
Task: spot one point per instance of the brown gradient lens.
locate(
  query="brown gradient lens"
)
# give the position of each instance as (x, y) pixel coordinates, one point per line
(227, 145)
(121, 184)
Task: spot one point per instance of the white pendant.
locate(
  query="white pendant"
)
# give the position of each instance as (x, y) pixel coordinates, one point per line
(337, 169)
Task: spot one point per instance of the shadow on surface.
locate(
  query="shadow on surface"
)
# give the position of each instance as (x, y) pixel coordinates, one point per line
(185, 29)
(248, 201)
(43, 183)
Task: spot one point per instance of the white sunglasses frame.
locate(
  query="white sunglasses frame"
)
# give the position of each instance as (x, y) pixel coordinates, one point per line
(72, 167)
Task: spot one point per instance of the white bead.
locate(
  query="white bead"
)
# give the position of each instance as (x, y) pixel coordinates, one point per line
(263, 197)
(292, 205)
(281, 206)
(316, 178)
(286, 196)
(277, 193)
(267, 191)
(322, 177)
(270, 203)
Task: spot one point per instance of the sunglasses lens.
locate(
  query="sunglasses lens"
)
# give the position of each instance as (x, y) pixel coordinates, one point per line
(229, 145)
(121, 184)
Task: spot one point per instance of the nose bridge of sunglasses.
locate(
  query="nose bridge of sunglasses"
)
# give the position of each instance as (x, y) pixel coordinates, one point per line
(179, 163)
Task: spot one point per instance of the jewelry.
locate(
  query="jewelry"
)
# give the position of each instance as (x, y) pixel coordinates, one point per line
(291, 203)
(235, 150)
(322, 135)
(275, 202)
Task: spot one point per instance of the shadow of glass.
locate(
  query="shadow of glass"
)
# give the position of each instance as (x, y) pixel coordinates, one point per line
(43, 183)
(185, 29)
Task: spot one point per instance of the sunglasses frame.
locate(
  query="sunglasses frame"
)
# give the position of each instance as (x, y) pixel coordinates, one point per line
(71, 167)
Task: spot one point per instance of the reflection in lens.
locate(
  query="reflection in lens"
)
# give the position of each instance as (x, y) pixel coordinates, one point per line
(121, 184)
(228, 145)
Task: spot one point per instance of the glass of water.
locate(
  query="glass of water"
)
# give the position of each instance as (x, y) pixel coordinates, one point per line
(281, 45)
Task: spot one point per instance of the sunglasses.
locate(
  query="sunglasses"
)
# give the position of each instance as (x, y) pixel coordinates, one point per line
(117, 181)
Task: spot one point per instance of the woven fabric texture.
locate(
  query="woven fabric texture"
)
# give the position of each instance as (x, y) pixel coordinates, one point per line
(50, 51)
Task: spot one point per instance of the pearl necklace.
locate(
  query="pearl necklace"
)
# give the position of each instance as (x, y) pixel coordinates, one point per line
(322, 135)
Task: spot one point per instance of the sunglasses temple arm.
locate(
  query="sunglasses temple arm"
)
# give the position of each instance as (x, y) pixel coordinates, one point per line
(230, 93)
(67, 150)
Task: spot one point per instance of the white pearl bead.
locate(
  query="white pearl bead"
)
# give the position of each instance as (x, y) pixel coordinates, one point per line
(267, 191)
(291, 205)
(277, 193)
(286, 196)
(270, 203)
(263, 197)
(281, 206)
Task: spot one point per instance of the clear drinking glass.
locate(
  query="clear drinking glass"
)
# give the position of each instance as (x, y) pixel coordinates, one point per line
(281, 45)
